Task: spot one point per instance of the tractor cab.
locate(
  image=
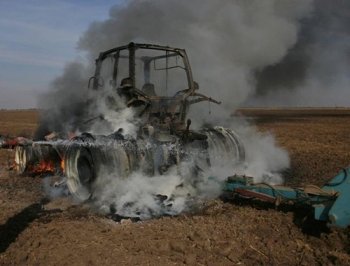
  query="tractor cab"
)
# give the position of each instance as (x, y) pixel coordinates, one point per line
(155, 80)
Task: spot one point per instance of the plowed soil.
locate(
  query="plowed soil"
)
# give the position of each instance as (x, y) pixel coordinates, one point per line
(37, 231)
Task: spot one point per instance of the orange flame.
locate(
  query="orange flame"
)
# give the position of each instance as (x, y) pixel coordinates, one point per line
(42, 167)
(63, 164)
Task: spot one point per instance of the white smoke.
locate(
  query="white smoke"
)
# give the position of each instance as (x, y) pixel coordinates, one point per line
(111, 114)
(265, 159)
(149, 197)
(179, 189)
(55, 188)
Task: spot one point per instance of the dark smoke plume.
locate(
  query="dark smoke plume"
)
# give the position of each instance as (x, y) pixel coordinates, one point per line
(316, 70)
(64, 104)
(227, 41)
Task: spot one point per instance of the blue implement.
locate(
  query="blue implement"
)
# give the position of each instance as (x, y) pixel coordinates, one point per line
(339, 212)
(331, 202)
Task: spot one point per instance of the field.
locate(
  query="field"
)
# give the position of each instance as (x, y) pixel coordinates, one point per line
(35, 231)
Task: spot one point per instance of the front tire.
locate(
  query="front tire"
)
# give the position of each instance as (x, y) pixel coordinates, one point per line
(80, 172)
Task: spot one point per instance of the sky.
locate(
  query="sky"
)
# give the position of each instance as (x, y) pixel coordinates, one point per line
(37, 39)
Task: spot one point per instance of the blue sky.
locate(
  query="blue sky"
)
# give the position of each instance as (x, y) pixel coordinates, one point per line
(37, 39)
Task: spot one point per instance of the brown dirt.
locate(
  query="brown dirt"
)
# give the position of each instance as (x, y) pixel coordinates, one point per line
(59, 232)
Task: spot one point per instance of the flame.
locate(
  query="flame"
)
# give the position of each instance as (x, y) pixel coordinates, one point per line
(42, 167)
(63, 164)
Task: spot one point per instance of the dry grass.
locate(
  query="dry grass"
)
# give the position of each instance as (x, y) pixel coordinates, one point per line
(15, 123)
(18, 122)
(290, 112)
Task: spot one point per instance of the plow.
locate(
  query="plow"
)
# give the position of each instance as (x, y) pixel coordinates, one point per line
(156, 83)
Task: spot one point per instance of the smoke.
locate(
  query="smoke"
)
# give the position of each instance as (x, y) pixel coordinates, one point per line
(265, 159)
(55, 188)
(148, 197)
(179, 189)
(142, 197)
(228, 42)
(111, 114)
(71, 107)
(316, 70)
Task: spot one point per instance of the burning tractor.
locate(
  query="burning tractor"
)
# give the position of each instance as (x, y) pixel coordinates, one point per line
(156, 83)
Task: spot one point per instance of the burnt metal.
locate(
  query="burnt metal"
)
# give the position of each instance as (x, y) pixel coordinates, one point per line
(176, 105)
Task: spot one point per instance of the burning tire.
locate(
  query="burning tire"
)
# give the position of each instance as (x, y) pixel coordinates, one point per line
(37, 159)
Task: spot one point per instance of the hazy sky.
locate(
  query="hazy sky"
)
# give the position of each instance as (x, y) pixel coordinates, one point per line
(37, 39)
